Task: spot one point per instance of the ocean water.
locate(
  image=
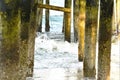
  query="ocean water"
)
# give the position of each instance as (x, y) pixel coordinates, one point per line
(56, 23)
(56, 59)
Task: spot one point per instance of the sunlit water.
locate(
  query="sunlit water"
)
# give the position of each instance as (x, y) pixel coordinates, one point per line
(56, 59)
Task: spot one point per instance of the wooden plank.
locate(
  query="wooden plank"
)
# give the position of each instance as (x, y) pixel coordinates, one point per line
(46, 6)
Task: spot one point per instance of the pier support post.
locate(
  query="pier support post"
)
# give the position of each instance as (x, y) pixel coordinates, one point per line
(89, 61)
(81, 29)
(39, 17)
(47, 22)
(32, 35)
(104, 45)
(75, 17)
(10, 40)
(67, 21)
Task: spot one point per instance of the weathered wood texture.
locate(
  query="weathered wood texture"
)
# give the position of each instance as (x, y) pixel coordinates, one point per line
(32, 35)
(47, 13)
(24, 36)
(46, 6)
(105, 30)
(67, 22)
(9, 55)
(81, 29)
(89, 61)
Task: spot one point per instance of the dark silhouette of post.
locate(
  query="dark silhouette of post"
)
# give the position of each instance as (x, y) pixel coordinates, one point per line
(104, 45)
(39, 17)
(63, 27)
(67, 21)
(47, 24)
(89, 61)
(76, 6)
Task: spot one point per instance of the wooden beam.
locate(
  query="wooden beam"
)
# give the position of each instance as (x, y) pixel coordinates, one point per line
(46, 6)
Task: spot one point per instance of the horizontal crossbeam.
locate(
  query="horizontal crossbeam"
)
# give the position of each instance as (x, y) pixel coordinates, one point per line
(54, 8)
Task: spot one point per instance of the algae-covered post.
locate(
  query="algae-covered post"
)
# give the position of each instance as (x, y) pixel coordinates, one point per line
(67, 21)
(105, 31)
(10, 43)
(89, 68)
(32, 35)
(24, 36)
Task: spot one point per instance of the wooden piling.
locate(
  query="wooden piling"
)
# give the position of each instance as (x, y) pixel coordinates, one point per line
(89, 61)
(47, 24)
(104, 44)
(67, 22)
(75, 17)
(32, 35)
(81, 29)
(39, 17)
(24, 36)
(10, 38)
